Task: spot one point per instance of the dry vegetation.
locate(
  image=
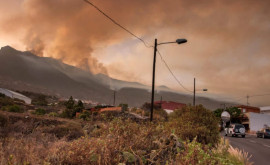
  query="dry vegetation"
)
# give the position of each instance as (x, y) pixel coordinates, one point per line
(189, 136)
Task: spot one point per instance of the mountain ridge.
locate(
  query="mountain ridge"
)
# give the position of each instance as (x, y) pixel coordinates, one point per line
(26, 71)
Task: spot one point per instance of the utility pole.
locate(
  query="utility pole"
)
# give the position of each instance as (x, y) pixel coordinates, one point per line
(161, 102)
(178, 41)
(153, 81)
(194, 93)
(247, 100)
(224, 106)
(114, 92)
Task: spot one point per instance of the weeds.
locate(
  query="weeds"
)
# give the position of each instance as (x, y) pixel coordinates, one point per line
(116, 140)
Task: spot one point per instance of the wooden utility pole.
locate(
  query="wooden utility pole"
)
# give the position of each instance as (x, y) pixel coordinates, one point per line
(247, 100)
(153, 81)
(194, 93)
(114, 92)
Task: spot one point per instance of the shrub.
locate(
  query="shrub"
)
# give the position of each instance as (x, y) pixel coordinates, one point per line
(160, 114)
(40, 111)
(85, 115)
(196, 153)
(117, 142)
(124, 107)
(15, 108)
(120, 141)
(5, 101)
(53, 114)
(40, 100)
(3, 121)
(195, 121)
(67, 113)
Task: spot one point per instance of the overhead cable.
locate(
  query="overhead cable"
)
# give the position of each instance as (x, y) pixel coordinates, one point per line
(116, 23)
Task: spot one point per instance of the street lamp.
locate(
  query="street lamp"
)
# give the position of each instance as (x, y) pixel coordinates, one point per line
(194, 91)
(178, 41)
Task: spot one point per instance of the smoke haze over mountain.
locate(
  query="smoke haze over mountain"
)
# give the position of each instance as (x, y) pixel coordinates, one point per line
(227, 50)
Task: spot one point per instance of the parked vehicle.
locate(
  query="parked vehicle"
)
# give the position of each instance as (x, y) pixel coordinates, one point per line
(235, 130)
(263, 133)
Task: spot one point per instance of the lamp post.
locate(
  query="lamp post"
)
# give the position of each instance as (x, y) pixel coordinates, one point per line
(178, 41)
(194, 91)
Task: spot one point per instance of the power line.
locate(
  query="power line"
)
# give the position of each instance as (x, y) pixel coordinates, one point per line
(167, 66)
(145, 44)
(116, 23)
(260, 95)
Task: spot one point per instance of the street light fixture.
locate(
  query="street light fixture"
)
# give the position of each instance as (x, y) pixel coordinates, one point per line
(194, 91)
(178, 41)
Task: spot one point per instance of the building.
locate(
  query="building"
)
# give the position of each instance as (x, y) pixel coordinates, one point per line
(16, 95)
(257, 121)
(254, 118)
(170, 106)
(246, 109)
(265, 110)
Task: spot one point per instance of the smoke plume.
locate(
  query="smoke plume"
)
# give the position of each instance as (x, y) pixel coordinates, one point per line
(228, 41)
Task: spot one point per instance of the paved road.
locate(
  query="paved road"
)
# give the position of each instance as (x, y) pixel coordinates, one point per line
(259, 148)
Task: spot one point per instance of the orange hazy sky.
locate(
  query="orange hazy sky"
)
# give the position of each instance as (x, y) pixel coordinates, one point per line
(227, 49)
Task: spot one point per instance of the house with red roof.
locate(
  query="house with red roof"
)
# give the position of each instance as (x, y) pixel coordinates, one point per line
(170, 106)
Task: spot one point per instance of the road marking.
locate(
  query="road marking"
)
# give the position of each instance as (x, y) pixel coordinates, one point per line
(252, 141)
(266, 145)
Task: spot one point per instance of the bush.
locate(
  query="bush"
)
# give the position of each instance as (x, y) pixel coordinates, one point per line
(53, 114)
(3, 121)
(191, 122)
(120, 141)
(40, 100)
(160, 114)
(40, 111)
(117, 142)
(67, 113)
(15, 108)
(124, 107)
(5, 101)
(196, 153)
(85, 115)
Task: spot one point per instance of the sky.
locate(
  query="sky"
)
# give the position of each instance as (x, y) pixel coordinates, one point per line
(227, 49)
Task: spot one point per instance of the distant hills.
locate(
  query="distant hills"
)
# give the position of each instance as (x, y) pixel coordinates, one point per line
(25, 71)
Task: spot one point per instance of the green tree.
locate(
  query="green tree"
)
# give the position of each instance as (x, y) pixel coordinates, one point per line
(69, 111)
(218, 112)
(78, 108)
(70, 103)
(235, 113)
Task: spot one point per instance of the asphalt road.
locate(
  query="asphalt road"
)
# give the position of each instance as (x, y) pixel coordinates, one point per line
(259, 148)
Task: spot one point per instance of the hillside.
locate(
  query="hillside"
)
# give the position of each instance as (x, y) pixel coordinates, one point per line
(25, 71)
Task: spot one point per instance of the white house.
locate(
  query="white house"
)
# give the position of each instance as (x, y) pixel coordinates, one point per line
(257, 121)
(13, 94)
(265, 110)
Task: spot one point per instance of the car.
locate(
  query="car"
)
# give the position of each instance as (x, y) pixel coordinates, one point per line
(235, 130)
(263, 133)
